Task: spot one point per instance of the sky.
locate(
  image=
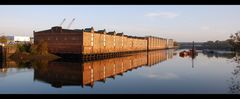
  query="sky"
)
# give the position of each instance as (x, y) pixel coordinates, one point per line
(182, 23)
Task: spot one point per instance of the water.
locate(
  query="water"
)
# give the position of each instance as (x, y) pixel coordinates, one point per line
(157, 72)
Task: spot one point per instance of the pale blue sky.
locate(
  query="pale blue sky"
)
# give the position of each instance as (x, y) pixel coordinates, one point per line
(180, 22)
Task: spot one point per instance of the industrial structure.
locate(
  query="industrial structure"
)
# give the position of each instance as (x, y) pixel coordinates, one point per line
(16, 39)
(90, 42)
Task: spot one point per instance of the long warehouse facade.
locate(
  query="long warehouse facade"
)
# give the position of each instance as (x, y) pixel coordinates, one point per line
(88, 41)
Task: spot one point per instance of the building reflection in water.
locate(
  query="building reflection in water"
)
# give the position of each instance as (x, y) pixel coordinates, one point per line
(64, 73)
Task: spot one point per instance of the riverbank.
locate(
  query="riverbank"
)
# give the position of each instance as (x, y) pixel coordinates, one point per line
(24, 56)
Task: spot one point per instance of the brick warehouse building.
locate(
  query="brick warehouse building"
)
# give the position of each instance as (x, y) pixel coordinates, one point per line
(87, 41)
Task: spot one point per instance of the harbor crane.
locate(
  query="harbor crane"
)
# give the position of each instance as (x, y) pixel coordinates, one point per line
(62, 22)
(70, 23)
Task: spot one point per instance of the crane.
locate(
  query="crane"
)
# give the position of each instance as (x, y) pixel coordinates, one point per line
(62, 22)
(70, 23)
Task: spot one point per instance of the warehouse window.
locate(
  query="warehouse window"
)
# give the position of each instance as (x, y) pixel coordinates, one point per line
(56, 38)
(48, 38)
(91, 43)
(92, 37)
(73, 38)
(104, 38)
(65, 38)
(122, 42)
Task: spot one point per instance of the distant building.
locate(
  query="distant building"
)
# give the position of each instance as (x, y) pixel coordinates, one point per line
(170, 43)
(31, 39)
(14, 39)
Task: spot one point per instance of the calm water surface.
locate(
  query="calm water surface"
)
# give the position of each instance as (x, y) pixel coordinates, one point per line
(160, 72)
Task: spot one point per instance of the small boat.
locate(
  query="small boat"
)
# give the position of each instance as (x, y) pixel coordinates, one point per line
(192, 52)
(183, 53)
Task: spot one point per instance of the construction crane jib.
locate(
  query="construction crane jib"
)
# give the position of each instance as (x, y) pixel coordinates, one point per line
(62, 22)
(70, 23)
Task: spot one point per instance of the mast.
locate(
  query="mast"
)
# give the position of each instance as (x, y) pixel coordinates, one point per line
(193, 54)
(193, 46)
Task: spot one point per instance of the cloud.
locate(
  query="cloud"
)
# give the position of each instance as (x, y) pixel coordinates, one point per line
(204, 28)
(162, 14)
(162, 76)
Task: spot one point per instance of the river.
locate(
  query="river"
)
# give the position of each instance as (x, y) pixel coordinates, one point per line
(155, 72)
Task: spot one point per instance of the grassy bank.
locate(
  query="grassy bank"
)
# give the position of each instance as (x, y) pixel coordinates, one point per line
(33, 52)
(24, 56)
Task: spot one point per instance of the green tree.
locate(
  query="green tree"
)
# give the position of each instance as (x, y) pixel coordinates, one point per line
(24, 47)
(3, 39)
(218, 45)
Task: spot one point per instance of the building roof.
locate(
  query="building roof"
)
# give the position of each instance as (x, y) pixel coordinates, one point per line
(59, 29)
(112, 33)
(119, 34)
(67, 30)
(88, 29)
(101, 31)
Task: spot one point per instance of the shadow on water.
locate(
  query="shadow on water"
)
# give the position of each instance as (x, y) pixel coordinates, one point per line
(65, 72)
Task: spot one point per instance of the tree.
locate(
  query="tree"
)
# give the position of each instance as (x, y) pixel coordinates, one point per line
(33, 49)
(235, 40)
(42, 48)
(3, 39)
(218, 45)
(175, 43)
(24, 47)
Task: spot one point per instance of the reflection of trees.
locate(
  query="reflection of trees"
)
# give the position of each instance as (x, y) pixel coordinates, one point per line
(235, 79)
(23, 65)
(40, 64)
(237, 58)
(222, 55)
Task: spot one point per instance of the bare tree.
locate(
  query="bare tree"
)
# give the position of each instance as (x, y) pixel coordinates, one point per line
(235, 40)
